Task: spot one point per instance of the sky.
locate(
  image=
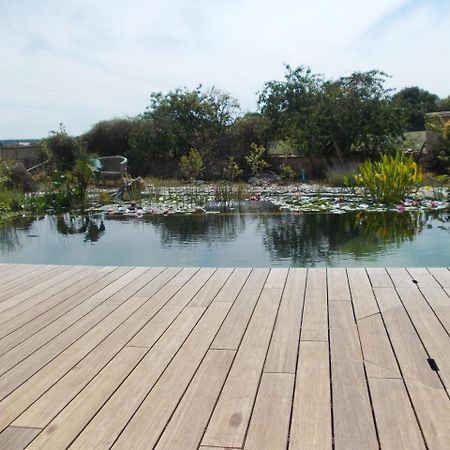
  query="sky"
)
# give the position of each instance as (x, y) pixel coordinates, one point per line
(82, 61)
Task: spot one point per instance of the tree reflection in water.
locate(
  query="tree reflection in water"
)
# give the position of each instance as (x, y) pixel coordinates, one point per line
(310, 238)
(198, 228)
(90, 226)
(10, 236)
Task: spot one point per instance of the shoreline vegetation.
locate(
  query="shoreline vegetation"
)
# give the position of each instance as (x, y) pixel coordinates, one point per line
(352, 134)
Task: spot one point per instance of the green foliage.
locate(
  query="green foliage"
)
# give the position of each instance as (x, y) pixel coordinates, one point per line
(232, 170)
(440, 149)
(391, 179)
(103, 198)
(191, 165)
(5, 179)
(178, 121)
(109, 137)
(83, 176)
(226, 192)
(10, 201)
(255, 159)
(417, 103)
(333, 117)
(64, 149)
(287, 172)
(444, 104)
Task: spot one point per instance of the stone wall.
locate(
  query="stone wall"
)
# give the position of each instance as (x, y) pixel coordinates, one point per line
(28, 155)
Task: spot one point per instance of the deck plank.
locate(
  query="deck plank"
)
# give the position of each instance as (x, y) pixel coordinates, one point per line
(441, 275)
(439, 301)
(337, 284)
(432, 334)
(429, 399)
(315, 320)
(379, 277)
(269, 425)
(186, 427)
(231, 416)
(64, 390)
(16, 438)
(147, 425)
(282, 356)
(354, 427)
(231, 332)
(397, 425)
(311, 415)
(61, 431)
(364, 302)
(229, 358)
(34, 313)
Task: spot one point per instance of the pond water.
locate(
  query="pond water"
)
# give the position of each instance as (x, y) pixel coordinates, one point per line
(242, 237)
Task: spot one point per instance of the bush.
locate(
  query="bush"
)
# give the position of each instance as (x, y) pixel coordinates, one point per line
(391, 179)
(287, 172)
(256, 160)
(233, 171)
(191, 165)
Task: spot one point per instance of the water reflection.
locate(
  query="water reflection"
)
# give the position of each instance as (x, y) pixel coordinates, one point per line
(198, 228)
(92, 227)
(238, 237)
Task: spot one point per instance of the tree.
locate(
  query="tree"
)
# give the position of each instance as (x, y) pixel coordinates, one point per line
(439, 144)
(417, 102)
(333, 118)
(356, 114)
(444, 104)
(245, 130)
(289, 106)
(109, 137)
(180, 120)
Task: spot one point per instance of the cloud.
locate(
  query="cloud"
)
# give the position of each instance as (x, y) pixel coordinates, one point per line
(80, 61)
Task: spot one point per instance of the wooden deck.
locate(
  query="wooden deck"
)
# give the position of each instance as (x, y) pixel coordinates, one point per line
(187, 358)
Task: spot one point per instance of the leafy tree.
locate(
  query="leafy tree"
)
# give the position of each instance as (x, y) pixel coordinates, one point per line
(289, 105)
(417, 102)
(64, 149)
(180, 120)
(332, 118)
(245, 130)
(444, 104)
(109, 137)
(357, 115)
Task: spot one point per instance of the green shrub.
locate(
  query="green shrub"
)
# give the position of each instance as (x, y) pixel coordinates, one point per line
(287, 172)
(191, 165)
(391, 179)
(233, 171)
(255, 159)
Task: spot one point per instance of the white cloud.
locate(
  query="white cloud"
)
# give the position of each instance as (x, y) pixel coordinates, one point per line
(80, 61)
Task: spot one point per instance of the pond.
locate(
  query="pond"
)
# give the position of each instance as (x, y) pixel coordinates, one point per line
(242, 237)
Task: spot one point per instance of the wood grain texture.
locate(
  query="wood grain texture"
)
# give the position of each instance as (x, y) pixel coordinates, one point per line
(311, 415)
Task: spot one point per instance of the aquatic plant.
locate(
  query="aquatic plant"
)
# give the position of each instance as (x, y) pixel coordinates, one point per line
(227, 192)
(389, 180)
